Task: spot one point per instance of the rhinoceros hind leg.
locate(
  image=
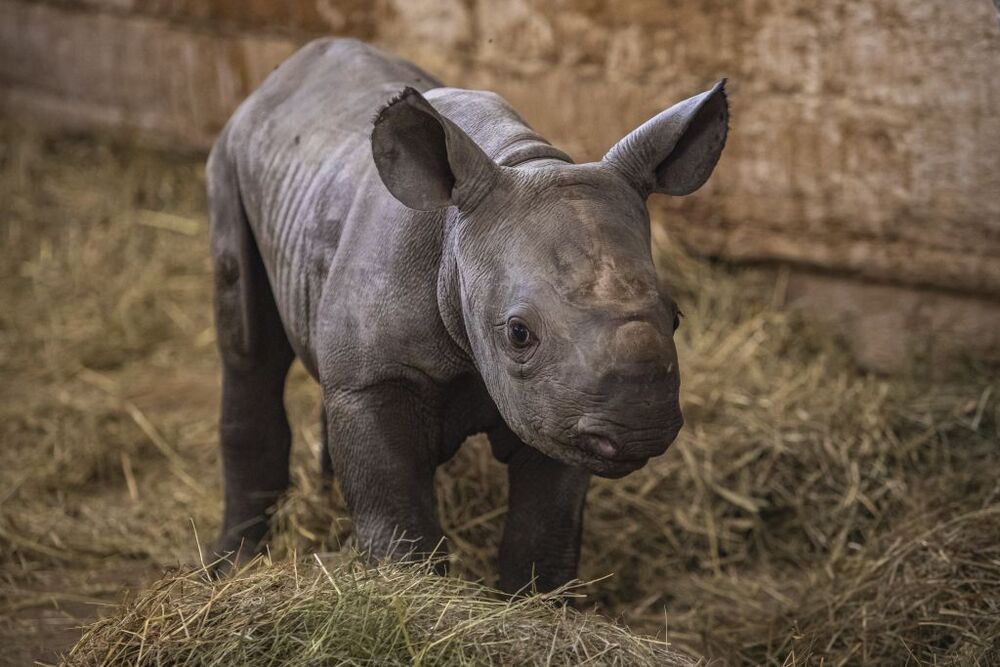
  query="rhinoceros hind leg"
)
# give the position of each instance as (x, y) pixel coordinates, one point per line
(253, 427)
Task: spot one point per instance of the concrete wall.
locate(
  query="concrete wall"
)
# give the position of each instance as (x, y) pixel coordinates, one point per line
(866, 134)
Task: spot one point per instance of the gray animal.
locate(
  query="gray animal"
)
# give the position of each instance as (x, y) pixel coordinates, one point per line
(441, 271)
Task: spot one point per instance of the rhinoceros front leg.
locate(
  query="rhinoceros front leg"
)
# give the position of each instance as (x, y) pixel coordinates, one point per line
(325, 462)
(383, 444)
(541, 539)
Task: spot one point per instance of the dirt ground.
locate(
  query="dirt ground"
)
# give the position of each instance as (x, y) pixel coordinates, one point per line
(809, 510)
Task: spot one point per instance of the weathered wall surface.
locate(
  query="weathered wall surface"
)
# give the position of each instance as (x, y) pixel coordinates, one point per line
(866, 134)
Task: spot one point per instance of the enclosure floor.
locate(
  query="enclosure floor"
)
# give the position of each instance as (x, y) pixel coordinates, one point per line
(809, 511)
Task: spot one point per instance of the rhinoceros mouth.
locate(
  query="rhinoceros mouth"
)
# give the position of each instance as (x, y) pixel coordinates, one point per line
(604, 456)
(612, 468)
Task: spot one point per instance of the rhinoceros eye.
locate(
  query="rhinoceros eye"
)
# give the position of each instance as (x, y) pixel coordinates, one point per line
(518, 333)
(677, 319)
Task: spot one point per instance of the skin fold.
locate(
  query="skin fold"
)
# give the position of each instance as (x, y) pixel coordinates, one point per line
(441, 270)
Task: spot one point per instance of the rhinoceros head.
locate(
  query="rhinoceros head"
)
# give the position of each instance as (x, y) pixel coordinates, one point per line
(560, 301)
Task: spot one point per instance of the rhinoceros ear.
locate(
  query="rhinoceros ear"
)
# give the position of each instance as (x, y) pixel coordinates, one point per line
(426, 161)
(675, 152)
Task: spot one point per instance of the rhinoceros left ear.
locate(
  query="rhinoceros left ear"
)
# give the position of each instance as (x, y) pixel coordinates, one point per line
(675, 151)
(425, 160)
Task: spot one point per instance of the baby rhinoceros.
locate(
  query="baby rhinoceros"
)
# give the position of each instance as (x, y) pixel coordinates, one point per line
(441, 271)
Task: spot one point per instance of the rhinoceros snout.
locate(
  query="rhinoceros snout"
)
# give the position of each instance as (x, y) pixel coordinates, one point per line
(617, 442)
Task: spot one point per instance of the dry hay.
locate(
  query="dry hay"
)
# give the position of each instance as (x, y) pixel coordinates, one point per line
(348, 613)
(810, 512)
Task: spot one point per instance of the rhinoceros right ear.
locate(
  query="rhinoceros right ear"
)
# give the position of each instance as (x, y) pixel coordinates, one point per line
(426, 161)
(675, 151)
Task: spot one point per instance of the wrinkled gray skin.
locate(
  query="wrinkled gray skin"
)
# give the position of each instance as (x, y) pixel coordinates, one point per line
(441, 271)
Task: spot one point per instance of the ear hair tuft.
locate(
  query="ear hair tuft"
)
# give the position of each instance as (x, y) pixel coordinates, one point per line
(426, 161)
(401, 96)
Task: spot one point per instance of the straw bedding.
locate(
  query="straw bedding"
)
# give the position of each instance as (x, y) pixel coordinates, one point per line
(810, 513)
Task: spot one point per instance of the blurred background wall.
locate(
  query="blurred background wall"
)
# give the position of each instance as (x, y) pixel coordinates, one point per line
(864, 157)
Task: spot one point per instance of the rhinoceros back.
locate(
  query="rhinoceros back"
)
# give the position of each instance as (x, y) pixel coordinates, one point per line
(300, 147)
(302, 152)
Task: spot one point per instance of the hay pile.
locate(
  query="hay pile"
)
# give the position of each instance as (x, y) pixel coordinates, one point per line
(321, 614)
(809, 513)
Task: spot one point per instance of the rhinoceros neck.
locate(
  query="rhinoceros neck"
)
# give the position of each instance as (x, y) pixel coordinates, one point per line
(494, 126)
(449, 288)
(510, 142)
